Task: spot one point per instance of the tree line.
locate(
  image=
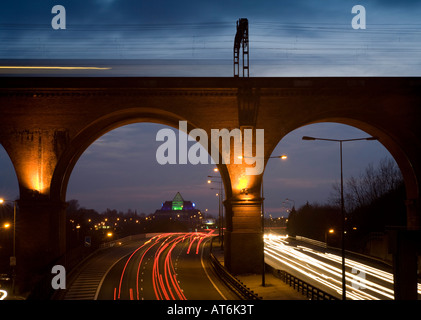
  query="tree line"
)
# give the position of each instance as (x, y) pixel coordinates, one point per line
(374, 200)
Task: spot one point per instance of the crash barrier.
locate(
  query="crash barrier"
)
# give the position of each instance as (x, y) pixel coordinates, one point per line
(312, 293)
(238, 286)
(311, 241)
(73, 261)
(233, 282)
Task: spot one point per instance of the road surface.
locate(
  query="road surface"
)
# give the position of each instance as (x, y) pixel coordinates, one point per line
(168, 266)
(323, 269)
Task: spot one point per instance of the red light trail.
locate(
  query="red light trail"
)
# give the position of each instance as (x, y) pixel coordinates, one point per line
(164, 277)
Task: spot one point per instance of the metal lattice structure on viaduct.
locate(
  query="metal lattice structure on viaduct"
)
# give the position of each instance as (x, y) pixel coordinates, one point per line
(47, 123)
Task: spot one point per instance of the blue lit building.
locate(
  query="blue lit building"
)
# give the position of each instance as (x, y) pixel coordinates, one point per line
(179, 209)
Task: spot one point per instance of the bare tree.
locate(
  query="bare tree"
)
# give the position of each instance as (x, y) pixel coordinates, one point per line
(369, 186)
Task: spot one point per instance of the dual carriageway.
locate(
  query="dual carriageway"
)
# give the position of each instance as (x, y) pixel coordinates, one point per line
(174, 266)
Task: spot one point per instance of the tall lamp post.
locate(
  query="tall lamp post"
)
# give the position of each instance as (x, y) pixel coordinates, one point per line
(12, 258)
(289, 200)
(342, 202)
(283, 157)
(220, 208)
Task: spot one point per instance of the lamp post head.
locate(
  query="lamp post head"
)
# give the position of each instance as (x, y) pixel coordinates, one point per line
(308, 138)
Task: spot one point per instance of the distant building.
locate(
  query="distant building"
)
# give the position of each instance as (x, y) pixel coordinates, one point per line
(180, 210)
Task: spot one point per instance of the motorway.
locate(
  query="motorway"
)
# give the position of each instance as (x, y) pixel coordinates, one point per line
(173, 266)
(323, 269)
(169, 266)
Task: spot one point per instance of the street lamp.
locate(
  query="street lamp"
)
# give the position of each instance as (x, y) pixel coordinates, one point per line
(218, 194)
(342, 201)
(220, 211)
(13, 258)
(283, 157)
(289, 200)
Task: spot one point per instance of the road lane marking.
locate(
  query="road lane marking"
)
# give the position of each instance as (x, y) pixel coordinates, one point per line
(105, 275)
(204, 268)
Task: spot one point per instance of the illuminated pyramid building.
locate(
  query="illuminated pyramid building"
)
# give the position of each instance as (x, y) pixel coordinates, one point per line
(179, 209)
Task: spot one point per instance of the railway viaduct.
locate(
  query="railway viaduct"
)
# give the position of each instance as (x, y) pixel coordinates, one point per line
(47, 123)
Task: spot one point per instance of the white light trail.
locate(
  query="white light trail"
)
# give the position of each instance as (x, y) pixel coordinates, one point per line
(368, 283)
(51, 68)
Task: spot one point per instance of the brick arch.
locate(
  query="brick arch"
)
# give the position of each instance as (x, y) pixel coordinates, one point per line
(103, 125)
(401, 155)
(47, 123)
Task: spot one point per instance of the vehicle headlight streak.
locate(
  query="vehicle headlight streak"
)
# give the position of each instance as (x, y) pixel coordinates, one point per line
(307, 267)
(361, 288)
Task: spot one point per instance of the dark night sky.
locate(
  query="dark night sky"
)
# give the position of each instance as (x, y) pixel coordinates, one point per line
(195, 38)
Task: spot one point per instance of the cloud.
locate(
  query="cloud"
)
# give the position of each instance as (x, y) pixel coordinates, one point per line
(302, 183)
(287, 38)
(142, 195)
(120, 169)
(407, 4)
(294, 33)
